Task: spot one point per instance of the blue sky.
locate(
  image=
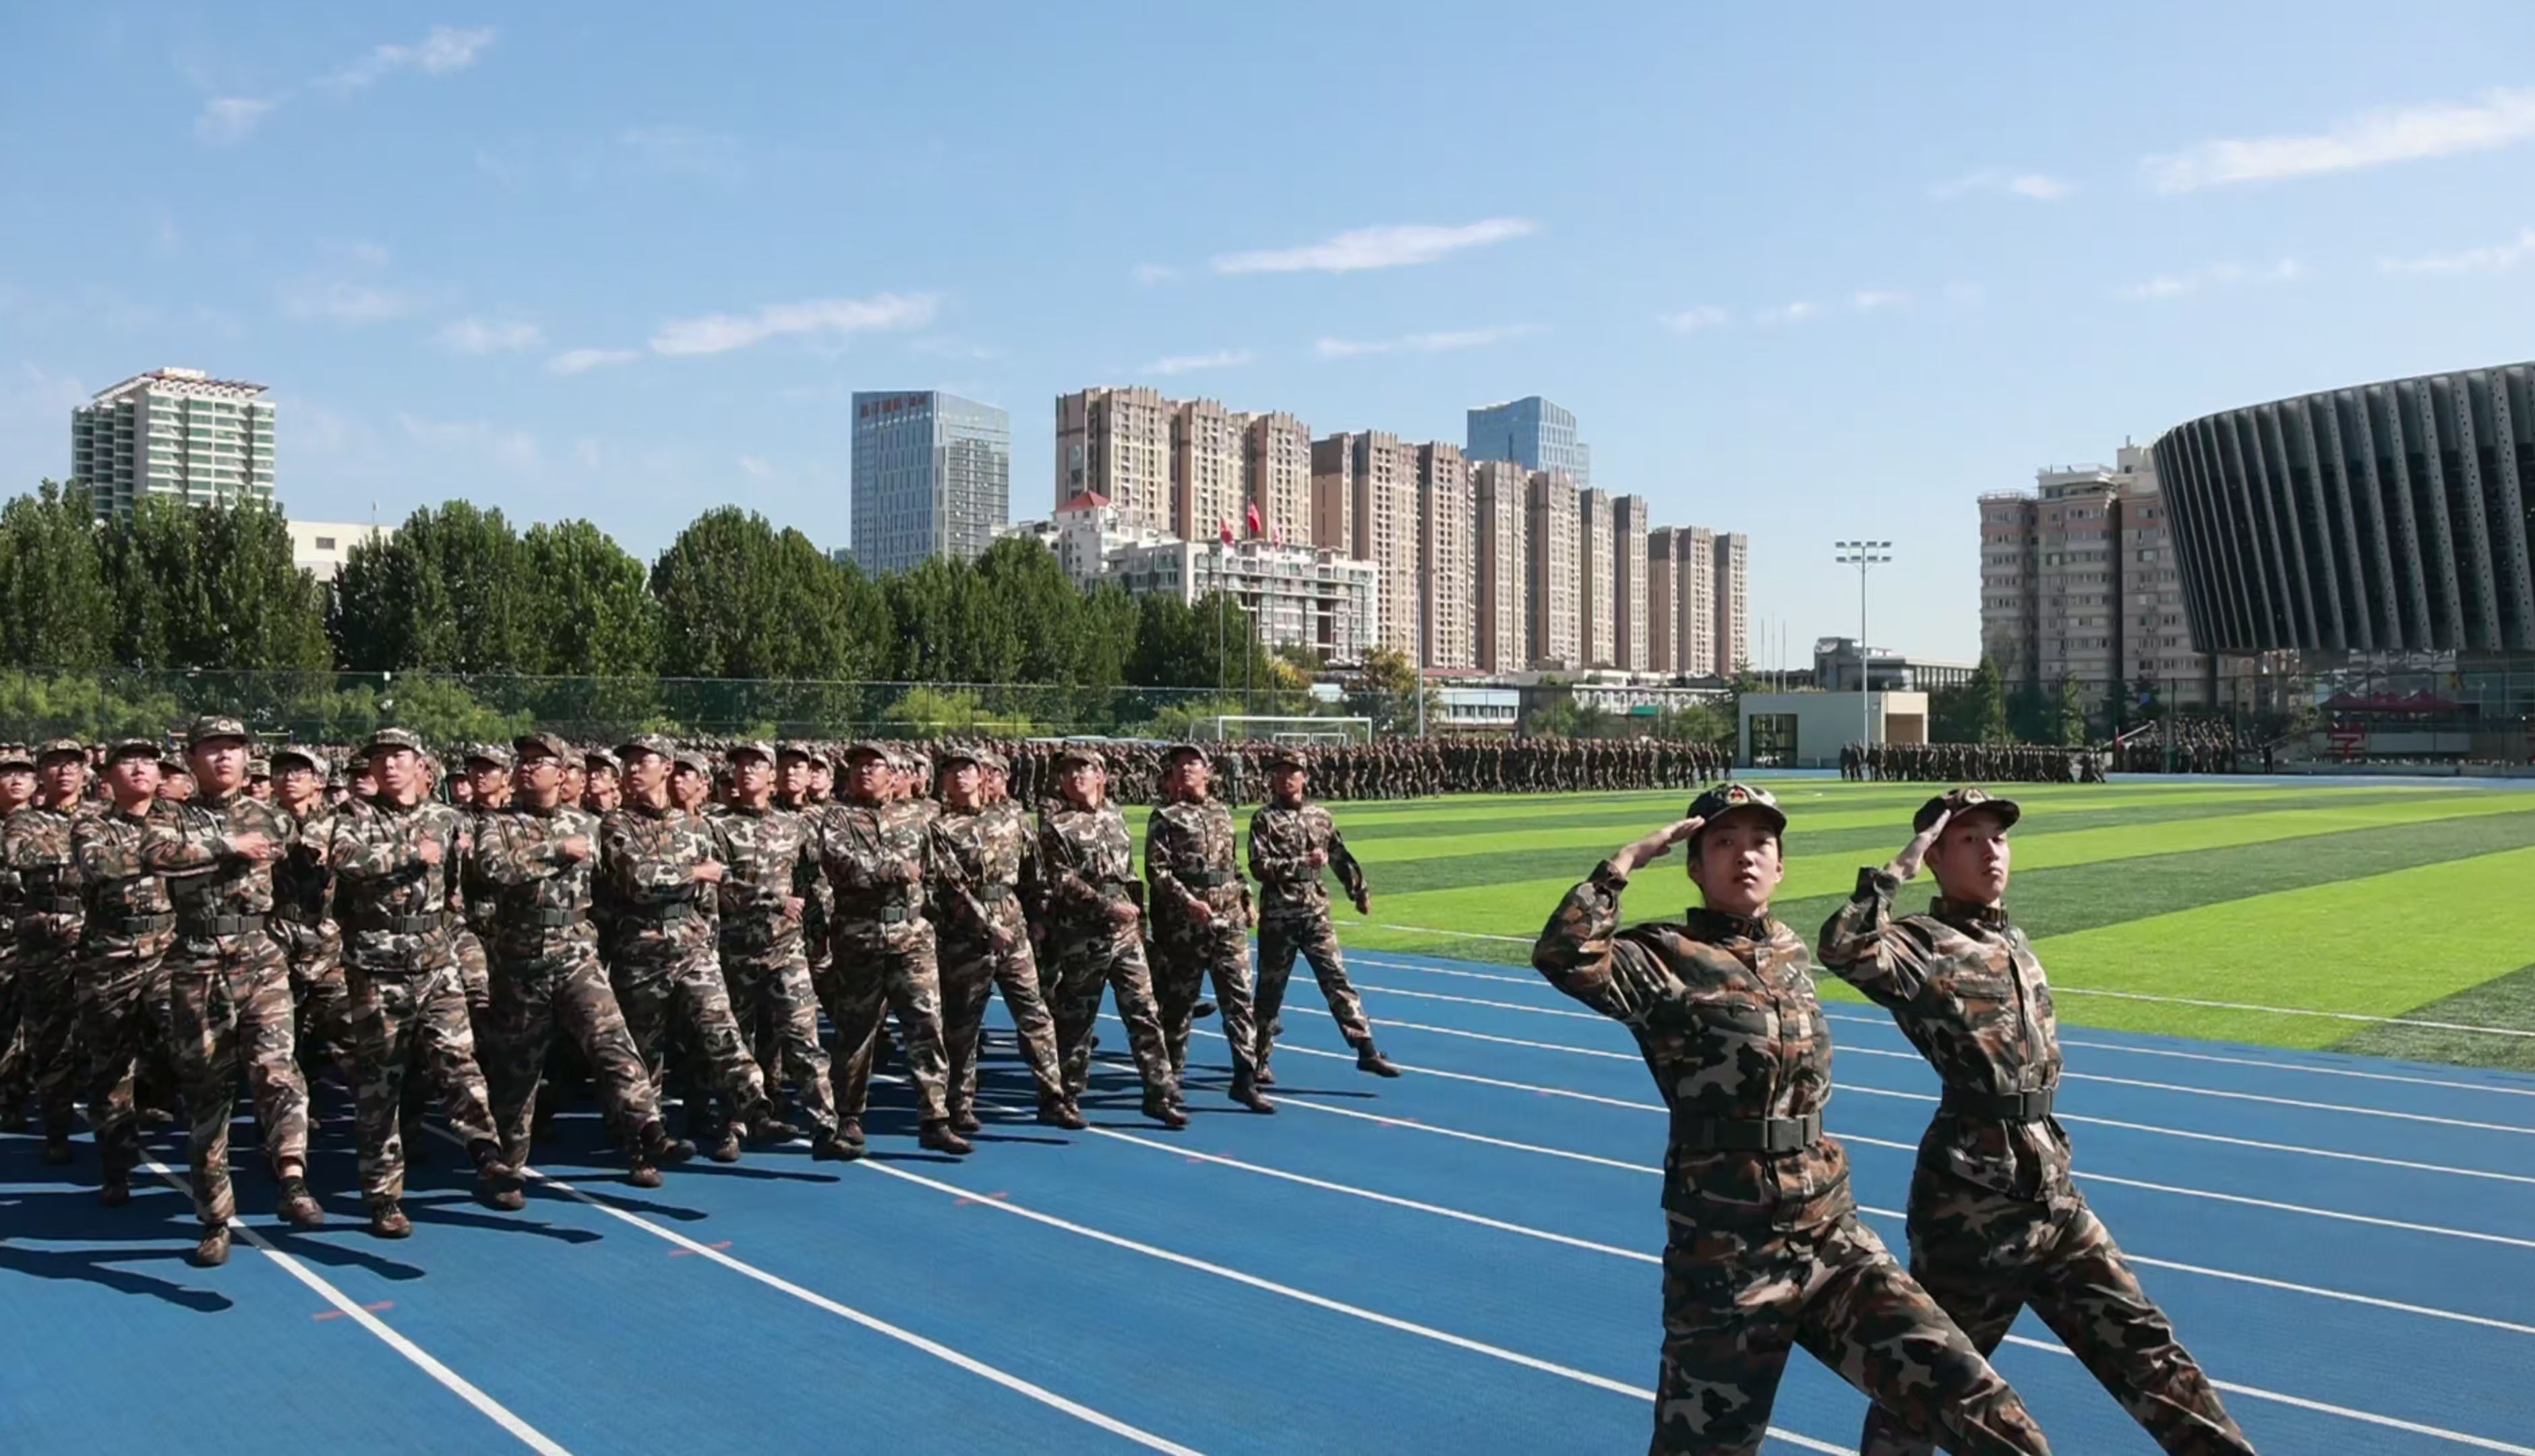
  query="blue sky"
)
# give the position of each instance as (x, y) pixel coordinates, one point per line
(1805, 277)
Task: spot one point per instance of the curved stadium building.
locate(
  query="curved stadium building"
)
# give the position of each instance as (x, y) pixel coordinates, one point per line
(2382, 518)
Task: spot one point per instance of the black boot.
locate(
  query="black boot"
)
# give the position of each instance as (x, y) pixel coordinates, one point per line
(1163, 1108)
(938, 1135)
(1245, 1090)
(1369, 1059)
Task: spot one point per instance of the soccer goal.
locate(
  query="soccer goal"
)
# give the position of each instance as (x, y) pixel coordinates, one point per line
(1298, 732)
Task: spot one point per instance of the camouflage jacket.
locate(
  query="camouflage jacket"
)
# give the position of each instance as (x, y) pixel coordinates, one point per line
(1191, 857)
(117, 888)
(393, 908)
(1964, 985)
(879, 859)
(303, 882)
(1086, 865)
(36, 843)
(1724, 1011)
(479, 894)
(187, 843)
(647, 860)
(529, 879)
(1281, 841)
(982, 855)
(763, 852)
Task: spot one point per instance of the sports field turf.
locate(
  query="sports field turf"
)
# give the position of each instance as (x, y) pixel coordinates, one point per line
(2367, 899)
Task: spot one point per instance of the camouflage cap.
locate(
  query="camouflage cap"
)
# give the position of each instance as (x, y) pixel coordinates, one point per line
(496, 754)
(647, 743)
(692, 760)
(1282, 757)
(68, 746)
(549, 745)
(121, 748)
(257, 768)
(757, 746)
(1962, 800)
(801, 749)
(211, 728)
(1730, 797)
(1080, 752)
(1199, 749)
(865, 748)
(386, 740)
(959, 753)
(988, 758)
(16, 755)
(295, 752)
(599, 760)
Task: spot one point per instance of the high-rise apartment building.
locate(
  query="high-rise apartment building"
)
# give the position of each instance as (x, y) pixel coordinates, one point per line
(1733, 603)
(932, 476)
(2078, 580)
(1552, 571)
(1598, 580)
(1447, 561)
(1276, 457)
(174, 432)
(1631, 648)
(1364, 504)
(1532, 432)
(1500, 500)
(1695, 606)
(1209, 480)
(1663, 586)
(1333, 493)
(1116, 444)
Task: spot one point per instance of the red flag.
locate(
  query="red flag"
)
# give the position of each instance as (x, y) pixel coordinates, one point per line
(1226, 531)
(1254, 517)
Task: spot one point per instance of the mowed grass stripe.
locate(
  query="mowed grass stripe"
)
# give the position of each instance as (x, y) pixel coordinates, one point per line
(1482, 902)
(2504, 1001)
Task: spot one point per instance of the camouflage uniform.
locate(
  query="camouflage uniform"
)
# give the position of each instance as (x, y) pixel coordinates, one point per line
(879, 859)
(123, 986)
(1190, 859)
(1295, 916)
(764, 959)
(303, 920)
(1995, 1222)
(38, 840)
(1766, 1248)
(1088, 867)
(546, 975)
(400, 971)
(986, 944)
(665, 951)
(230, 986)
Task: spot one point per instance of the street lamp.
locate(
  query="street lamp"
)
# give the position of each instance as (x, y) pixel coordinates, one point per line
(1862, 555)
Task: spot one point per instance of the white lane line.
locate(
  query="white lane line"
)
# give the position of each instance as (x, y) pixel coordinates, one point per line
(874, 1323)
(2054, 1347)
(1857, 1139)
(1306, 1297)
(2074, 1077)
(421, 1359)
(2056, 990)
(2427, 1311)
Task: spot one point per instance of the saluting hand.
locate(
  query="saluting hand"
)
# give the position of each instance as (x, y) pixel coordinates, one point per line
(1654, 846)
(1907, 863)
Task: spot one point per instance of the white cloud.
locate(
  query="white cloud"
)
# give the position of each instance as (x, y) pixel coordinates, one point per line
(714, 333)
(2215, 276)
(1793, 312)
(229, 119)
(1156, 272)
(2367, 139)
(1693, 320)
(444, 50)
(2037, 186)
(343, 302)
(1867, 301)
(756, 467)
(1396, 246)
(686, 151)
(2497, 258)
(581, 361)
(1426, 343)
(488, 336)
(1190, 363)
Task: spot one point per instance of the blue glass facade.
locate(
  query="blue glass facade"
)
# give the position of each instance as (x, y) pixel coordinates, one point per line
(1532, 432)
(932, 477)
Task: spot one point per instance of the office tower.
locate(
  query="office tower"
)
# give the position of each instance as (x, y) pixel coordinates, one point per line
(1532, 432)
(932, 476)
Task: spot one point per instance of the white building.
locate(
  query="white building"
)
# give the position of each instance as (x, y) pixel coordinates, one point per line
(175, 433)
(1087, 533)
(1807, 730)
(1299, 595)
(321, 547)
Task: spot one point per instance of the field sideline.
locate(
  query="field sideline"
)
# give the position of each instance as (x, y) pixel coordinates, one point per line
(2370, 899)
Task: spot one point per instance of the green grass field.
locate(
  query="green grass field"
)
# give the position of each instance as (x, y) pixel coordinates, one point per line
(2379, 900)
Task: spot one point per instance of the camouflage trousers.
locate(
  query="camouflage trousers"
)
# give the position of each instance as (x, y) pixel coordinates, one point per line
(657, 979)
(474, 972)
(890, 968)
(1278, 941)
(229, 1005)
(777, 1012)
(560, 988)
(48, 1012)
(1729, 1322)
(412, 1026)
(1080, 968)
(126, 1022)
(1984, 1255)
(970, 971)
(325, 1026)
(1185, 956)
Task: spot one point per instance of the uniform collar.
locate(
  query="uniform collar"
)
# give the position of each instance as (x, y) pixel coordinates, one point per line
(1715, 925)
(1955, 912)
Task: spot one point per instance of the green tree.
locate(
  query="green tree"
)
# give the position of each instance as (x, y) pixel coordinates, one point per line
(1048, 619)
(948, 628)
(212, 587)
(2066, 722)
(591, 601)
(1693, 722)
(1974, 711)
(740, 599)
(1385, 690)
(448, 592)
(55, 607)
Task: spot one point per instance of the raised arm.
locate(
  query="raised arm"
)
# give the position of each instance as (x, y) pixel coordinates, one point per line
(1578, 950)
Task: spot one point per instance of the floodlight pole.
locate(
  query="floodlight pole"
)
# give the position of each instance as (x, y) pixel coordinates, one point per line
(1862, 555)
